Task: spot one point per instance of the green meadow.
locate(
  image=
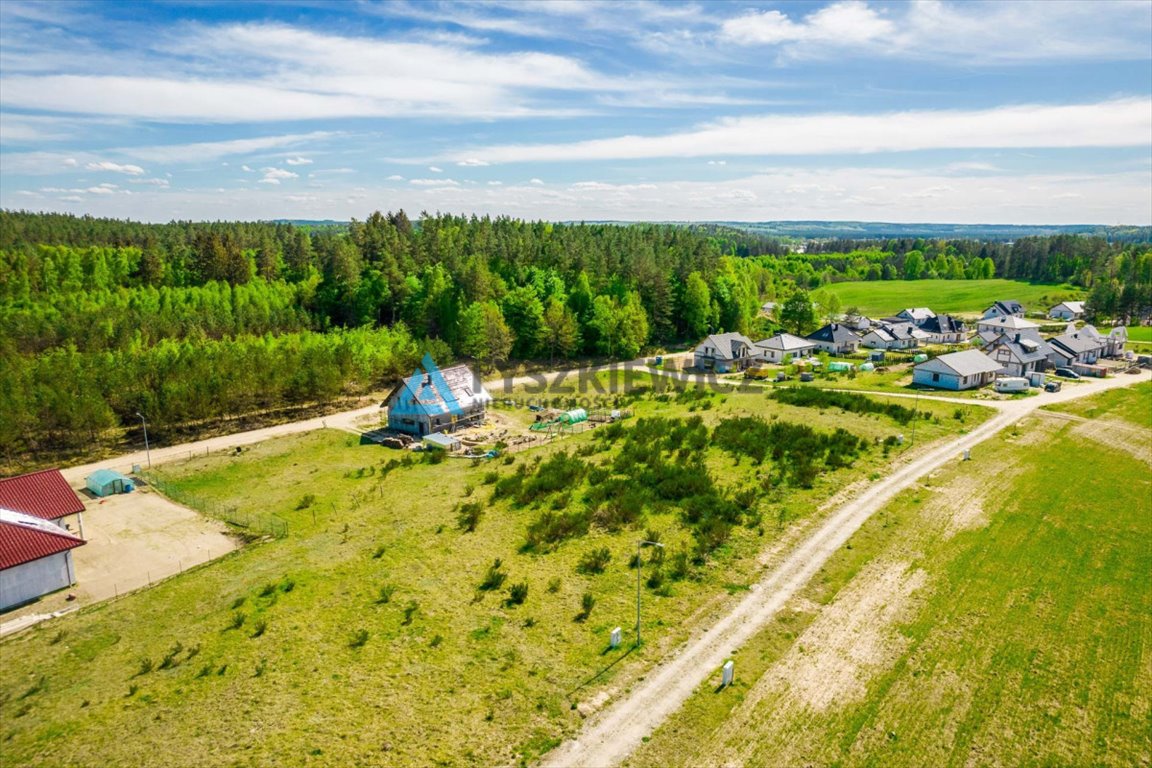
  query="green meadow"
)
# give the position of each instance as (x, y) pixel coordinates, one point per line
(999, 613)
(887, 297)
(421, 613)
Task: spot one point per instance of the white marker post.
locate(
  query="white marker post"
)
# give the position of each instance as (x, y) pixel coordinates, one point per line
(614, 640)
(728, 672)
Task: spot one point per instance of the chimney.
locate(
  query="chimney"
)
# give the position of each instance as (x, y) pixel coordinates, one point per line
(1017, 338)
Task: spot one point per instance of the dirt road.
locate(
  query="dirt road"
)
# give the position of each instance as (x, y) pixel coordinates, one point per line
(611, 735)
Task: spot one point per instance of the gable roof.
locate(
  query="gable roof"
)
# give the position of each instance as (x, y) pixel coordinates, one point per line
(440, 391)
(785, 342)
(917, 314)
(836, 333)
(941, 324)
(44, 494)
(881, 333)
(24, 538)
(1010, 322)
(1077, 343)
(1008, 307)
(725, 344)
(970, 362)
(1071, 306)
(1026, 349)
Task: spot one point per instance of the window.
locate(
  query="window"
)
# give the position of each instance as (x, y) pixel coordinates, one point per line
(935, 377)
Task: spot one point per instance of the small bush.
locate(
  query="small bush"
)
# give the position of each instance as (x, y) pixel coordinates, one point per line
(358, 639)
(58, 637)
(517, 594)
(267, 589)
(259, 628)
(204, 671)
(287, 585)
(468, 489)
(238, 602)
(594, 561)
(435, 642)
(409, 612)
(587, 603)
(145, 666)
(260, 668)
(386, 592)
(222, 670)
(306, 501)
(491, 477)
(554, 585)
(469, 516)
(494, 578)
(238, 619)
(169, 659)
(655, 579)
(508, 459)
(379, 553)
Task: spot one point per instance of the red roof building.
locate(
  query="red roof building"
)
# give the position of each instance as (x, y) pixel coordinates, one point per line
(24, 538)
(44, 494)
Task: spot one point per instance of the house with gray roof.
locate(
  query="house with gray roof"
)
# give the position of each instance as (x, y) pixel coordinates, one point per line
(1076, 347)
(437, 400)
(1009, 308)
(724, 353)
(782, 348)
(1009, 324)
(1019, 355)
(836, 339)
(916, 315)
(1067, 310)
(957, 370)
(945, 329)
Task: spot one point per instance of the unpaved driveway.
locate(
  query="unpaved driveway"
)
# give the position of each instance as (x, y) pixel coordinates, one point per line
(615, 732)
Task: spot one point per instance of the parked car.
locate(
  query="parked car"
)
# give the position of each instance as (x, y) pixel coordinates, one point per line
(1053, 386)
(1067, 373)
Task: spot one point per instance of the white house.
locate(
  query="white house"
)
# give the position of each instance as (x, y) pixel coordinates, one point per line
(1113, 343)
(35, 558)
(1008, 308)
(945, 329)
(836, 339)
(724, 352)
(1019, 355)
(916, 315)
(782, 348)
(1077, 347)
(1067, 310)
(1009, 324)
(435, 400)
(957, 370)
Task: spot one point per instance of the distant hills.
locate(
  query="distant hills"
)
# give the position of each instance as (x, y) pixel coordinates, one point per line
(874, 230)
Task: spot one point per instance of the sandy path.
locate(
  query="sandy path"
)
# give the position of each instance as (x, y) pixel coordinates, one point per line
(609, 737)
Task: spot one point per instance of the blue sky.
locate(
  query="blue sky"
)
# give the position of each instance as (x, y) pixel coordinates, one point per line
(930, 111)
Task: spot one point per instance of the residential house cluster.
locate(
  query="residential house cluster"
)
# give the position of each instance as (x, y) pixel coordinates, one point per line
(1009, 344)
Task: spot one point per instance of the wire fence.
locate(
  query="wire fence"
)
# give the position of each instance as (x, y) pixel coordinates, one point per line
(250, 521)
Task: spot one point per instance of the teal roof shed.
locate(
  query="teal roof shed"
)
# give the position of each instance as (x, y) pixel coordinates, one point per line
(106, 482)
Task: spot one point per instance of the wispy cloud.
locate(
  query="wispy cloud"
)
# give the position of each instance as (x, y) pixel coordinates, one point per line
(108, 165)
(1119, 123)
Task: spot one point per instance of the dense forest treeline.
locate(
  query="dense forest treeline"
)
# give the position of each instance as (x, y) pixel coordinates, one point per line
(190, 321)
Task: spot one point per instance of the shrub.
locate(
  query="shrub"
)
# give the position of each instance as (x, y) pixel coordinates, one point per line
(204, 671)
(306, 501)
(678, 566)
(267, 589)
(494, 578)
(238, 602)
(491, 477)
(469, 516)
(409, 612)
(145, 666)
(169, 659)
(358, 639)
(468, 489)
(517, 594)
(435, 642)
(655, 579)
(594, 561)
(553, 527)
(379, 553)
(258, 628)
(587, 603)
(386, 592)
(554, 585)
(238, 619)
(287, 585)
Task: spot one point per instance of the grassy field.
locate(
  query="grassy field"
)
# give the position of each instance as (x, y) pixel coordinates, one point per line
(883, 298)
(995, 615)
(363, 637)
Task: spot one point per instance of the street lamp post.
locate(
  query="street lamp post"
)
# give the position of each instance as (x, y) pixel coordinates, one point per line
(640, 544)
(147, 450)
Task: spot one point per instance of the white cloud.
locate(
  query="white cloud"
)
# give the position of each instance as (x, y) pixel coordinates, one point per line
(395, 177)
(434, 182)
(101, 190)
(1119, 123)
(214, 150)
(434, 169)
(107, 165)
(154, 182)
(246, 168)
(269, 180)
(975, 32)
(495, 183)
(298, 161)
(471, 162)
(717, 162)
(535, 181)
(72, 199)
(278, 173)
